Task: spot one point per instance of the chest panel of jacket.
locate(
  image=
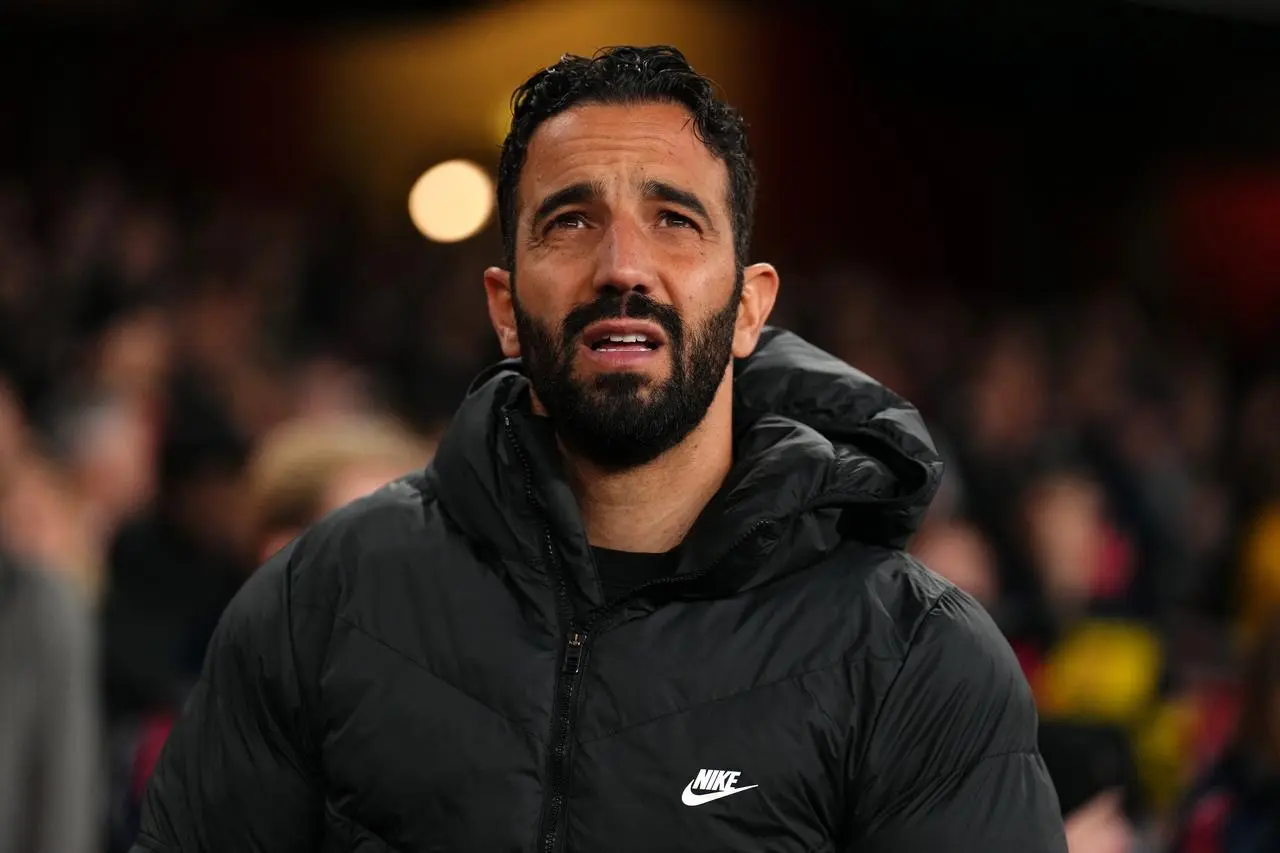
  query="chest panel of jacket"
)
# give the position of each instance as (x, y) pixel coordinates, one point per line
(678, 713)
(436, 689)
(710, 744)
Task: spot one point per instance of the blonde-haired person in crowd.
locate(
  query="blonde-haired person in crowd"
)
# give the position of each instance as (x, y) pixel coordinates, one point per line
(301, 470)
(308, 467)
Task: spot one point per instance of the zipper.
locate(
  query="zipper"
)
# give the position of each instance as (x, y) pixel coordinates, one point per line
(576, 640)
(573, 653)
(562, 744)
(570, 669)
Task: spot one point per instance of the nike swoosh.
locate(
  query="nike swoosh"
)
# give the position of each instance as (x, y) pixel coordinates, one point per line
(689, 798)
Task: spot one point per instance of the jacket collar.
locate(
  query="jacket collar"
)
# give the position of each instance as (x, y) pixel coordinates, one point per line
(823, 454)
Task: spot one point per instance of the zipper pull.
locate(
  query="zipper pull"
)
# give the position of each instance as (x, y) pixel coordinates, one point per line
(573, 654)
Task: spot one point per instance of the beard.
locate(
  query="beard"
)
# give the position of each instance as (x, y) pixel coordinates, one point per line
(625, 419)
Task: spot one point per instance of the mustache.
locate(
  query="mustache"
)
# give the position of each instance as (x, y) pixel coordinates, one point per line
(616, 306)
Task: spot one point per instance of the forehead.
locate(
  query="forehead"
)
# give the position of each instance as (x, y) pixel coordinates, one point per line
(622, 145)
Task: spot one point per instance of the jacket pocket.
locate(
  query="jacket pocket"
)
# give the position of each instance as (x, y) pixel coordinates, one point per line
(344, 835)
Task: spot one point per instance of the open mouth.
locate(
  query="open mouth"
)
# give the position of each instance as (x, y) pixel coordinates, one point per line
(623, 336)
(624, 343)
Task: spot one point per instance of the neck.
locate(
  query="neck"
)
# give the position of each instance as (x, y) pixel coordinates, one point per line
(650, 509)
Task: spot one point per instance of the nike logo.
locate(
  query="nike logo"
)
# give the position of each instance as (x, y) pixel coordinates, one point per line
(717, 783)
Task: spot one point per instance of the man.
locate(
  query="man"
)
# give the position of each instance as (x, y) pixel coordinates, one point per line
(645, 597)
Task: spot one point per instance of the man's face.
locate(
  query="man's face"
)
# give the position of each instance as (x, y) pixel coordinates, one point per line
(626, 289)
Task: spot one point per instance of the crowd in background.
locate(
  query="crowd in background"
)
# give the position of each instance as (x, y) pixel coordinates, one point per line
(186, 383)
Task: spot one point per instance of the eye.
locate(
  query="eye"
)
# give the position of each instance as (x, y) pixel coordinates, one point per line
(568, 220)
(678, 220)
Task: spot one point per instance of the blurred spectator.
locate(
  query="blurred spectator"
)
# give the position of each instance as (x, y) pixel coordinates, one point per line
(133, 356)
(107, 444)
(173, 570)
(50, 790)
(1235, 807)
(306, 468)
(44, 521)
(1094, 772)
(959, 552)
(997, 438)
(300, 470)
(1076, 555)
(1100, 826)
(1260, 573)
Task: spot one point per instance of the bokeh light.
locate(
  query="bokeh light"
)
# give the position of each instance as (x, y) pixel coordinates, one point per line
(451, 201)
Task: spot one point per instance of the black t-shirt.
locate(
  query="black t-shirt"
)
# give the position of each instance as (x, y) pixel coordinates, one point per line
(622, 571)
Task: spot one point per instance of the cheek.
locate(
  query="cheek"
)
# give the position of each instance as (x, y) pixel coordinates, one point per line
(541, 320)
(700, 291)
(543, 296)
(562, 264)
(538, 335)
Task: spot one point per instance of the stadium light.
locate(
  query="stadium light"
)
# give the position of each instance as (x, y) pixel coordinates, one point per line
(451, 201)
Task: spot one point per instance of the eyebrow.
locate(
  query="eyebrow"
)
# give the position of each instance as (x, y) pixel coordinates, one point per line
(584, 192)
(662, 191)
(579, 193)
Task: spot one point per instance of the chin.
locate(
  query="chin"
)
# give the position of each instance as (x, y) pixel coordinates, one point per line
(633, 383)
(593, 376)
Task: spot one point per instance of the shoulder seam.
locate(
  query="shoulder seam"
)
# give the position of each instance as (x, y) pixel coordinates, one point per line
(946, 592)
(866, 740)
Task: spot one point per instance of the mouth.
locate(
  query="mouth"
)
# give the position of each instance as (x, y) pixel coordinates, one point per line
(626, 336)
(622, 345)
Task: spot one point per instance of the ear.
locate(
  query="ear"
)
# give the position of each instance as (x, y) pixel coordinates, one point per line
(759, 292)
(502, 309)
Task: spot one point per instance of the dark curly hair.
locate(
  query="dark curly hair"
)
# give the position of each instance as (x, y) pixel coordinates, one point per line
(629, 75)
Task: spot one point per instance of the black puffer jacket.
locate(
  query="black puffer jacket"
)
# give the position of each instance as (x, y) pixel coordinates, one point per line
(433, 668)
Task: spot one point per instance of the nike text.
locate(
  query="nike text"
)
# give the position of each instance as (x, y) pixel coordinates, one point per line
(719, 784)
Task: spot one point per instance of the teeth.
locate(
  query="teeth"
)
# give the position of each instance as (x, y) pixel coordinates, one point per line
(627, 339)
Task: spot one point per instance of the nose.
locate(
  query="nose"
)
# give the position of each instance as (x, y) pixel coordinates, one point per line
(625, 261)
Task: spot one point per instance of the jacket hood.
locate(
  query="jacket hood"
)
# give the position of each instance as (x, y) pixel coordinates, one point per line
(823, 454)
